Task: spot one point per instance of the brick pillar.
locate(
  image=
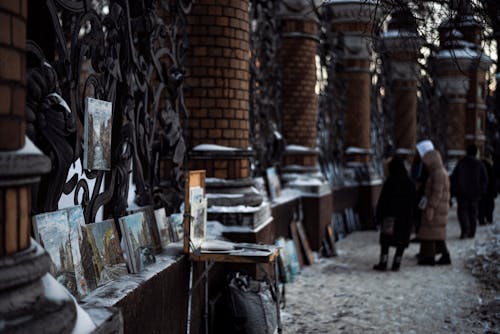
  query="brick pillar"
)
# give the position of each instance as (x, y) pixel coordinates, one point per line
(24, 265)
(299, 31)
(475, 112)
(12, 73)
(402, 47)
(474, 109)
(218, 86)
(453, 84)
(15, 197)
(352, 23)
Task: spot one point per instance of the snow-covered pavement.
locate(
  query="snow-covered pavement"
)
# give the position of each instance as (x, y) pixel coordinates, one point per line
(345, 295)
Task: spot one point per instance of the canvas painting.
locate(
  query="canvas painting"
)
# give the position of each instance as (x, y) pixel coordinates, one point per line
(60, 233)
(153, 228)
(163, 224)
(135, 231)
(273, 183)
(198, 205)
(97, 134)
(176, 221)
(107, 256)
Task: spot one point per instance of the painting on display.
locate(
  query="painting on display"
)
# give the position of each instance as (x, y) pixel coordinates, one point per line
(198, 206)
(107, 255)
(177, 226)
(164, 229)
(60, 233)
(97, 134)
(138, 243)
(152, 224)
(273, 183)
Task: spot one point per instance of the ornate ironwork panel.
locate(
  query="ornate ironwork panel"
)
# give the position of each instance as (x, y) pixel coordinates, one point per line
(265, 86)
(127, 52)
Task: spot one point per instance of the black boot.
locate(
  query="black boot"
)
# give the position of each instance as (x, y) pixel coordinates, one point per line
(382, 265)
(396, 263)
(426, 261)
(444, 259)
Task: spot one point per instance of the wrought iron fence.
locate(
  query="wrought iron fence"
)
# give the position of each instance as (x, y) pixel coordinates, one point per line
(130, 53)
(265, 86)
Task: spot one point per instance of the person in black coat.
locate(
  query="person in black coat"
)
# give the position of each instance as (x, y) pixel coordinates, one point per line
(395, 213)
(468, 182)
(487, 201)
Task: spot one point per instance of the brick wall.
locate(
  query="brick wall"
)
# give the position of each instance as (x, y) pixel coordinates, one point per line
(12, 73)
(218, 77)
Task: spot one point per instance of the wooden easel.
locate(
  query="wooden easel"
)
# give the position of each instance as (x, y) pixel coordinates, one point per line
(244, 253)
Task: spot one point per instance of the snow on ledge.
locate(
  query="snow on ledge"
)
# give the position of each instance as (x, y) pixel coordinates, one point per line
(213, 147)
(393, 33)
(298, 148)
(357, 150)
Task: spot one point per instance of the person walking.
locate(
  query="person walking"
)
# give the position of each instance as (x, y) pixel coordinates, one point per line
(468, 182)
(435, 204)
(487, 201)
(394, 213)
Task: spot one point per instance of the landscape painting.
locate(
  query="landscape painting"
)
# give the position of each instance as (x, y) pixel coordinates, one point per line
(107, 255)
(138, 242)
(273, 183)
(162, 222)
(152, 225)
(97, 134)
(198, 206)
(177, 226)
(63, 241)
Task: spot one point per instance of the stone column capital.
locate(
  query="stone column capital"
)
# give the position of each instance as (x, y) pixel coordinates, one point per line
(299, 10)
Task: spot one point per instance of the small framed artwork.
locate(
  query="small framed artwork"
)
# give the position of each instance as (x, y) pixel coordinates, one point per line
(97, 134)
(135, 232)
(273, 183)
(195, 215)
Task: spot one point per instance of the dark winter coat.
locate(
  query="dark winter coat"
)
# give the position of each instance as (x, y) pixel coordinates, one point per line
(469, 179)
(437, 191)
(491, 188)
(397, 200)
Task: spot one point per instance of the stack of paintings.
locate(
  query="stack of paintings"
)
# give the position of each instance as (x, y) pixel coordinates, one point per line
(138, 241)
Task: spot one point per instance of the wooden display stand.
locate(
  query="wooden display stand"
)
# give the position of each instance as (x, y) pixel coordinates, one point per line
(242, 253)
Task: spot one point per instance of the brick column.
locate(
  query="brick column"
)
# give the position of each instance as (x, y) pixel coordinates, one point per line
(14, 197)
(450, 79)
(12, 73)
(299, 31)
(217, 101)
(218, 85)
(26, 305)
(352, 23)
(402, 47)
(475, 112)
(474, 108)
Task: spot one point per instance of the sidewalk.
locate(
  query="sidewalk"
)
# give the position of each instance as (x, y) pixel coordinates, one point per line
(344, 294)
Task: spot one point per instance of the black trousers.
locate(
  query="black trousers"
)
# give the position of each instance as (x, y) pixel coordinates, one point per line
(467, 216)
(384, 250)
(486, 207)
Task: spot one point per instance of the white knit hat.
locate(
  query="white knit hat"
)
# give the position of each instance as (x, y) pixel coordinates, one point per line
(424, 146)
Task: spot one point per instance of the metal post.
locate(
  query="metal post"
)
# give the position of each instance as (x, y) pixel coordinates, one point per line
(190, 298)
(276, 279)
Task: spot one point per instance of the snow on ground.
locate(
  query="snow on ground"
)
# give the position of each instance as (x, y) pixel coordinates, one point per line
(344, 294)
